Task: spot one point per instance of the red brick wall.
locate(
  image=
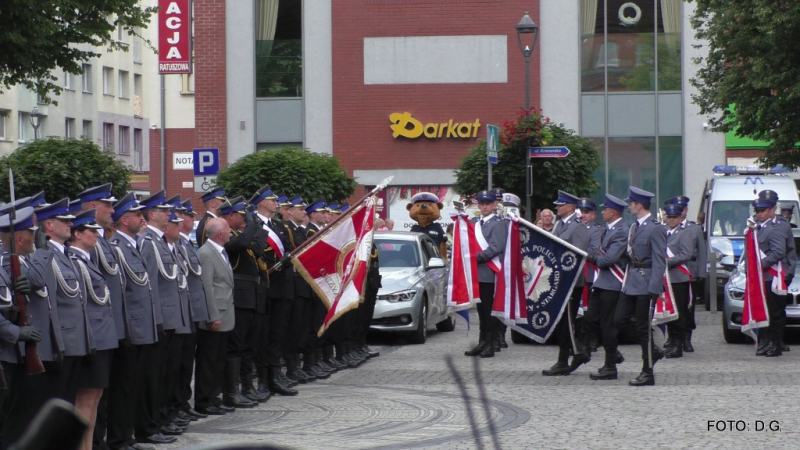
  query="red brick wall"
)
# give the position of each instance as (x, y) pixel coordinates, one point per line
(362, 138)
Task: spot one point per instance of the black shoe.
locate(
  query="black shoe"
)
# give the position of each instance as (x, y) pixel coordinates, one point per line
(593, 344)
(605, 373)
(183, 415)
(210, 411)
(372, 353)
(559, 368)
(180, 421)
(170, 430)
(784, 347)
(644, 379)
(157, 438)
(237, 400)
(773, 351)
(475, 350)
(332, 362)
(676, 351)
(618, 358)
(763, 346)
(195, 413)
(320, 372)
(275, 386)
(225, 409)
(687, 343)
(254, 395)
(658, 355)
(578, 360)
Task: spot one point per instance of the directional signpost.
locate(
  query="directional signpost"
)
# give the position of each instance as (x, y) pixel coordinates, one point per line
(540, 152)
(492, 140)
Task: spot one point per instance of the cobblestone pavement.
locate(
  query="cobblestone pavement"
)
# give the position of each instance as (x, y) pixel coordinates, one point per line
(408, 398)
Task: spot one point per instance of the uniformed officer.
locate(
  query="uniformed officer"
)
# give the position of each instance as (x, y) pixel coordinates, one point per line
(511, 207)
(772, 234)
(494, 231)
(680, 248)
(569, 228)
(789, 264)
(698, 267)
(244, 249)
(140, 403)
(644, 280)
(95, 370)
(588, 209)
(212, 200)
(611, 259)
(171, 312)
(787, 211)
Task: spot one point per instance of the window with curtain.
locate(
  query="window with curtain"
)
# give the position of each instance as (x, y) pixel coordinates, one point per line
(279, 56)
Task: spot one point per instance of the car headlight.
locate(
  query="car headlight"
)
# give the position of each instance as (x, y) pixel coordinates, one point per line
(735, 294)
(401, 296)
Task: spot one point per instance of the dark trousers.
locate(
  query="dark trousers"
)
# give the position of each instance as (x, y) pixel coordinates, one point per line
(637, 307)
(698, 297)
(678, 328)
(318, 312)
(276, 335)
(121, 398)
(209, 367)
(299, 324)
(183, 390)
(562, 329)
(488, 323)
(149, 362)
(169, 377)
(367, 309)
(776, 306)
(243, 339)
(599, 319)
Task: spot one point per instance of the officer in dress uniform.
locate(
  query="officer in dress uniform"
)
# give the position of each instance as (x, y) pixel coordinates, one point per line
(96, 369)
(171, 312)
(644, 280)
(212, 201)
(787, 211)
(495, 231)
(611, 259)
(510, 207)
(789, 264)
(588, 209)
(697, 266)
(24, 395)
(680, 248)
(772, 235)
(569, 228)
(138, 404)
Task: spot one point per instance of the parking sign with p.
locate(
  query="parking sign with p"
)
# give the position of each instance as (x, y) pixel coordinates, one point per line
(206, 161)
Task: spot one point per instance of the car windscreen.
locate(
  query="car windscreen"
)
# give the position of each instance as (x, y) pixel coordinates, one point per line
(729, 217)
(397, 253)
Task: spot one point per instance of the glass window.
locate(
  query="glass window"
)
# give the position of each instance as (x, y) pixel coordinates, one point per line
(123, 83)
(3, 125)
(137, 148)
(279, 51)
(87, 78)
(69, 127)
(108, 80)
(25, 129)
(87, 129)
(108, 137)
(397, 253)
(670, 167)
(124, 143)
(631, 162)
(69, 81)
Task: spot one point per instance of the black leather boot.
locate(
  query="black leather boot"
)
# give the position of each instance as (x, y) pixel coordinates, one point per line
(687, 342)
(501, 338)
(646, 378)
(231, 397)
(582, 357)
(323, 371)
(293, 372)
(327, 356)
(675, 349)
(308, 366)
(764, 343)
(262, 383)
(489, 348)
(274, 384)
(249, 391)
(609, 369)
(561, 367)
(478, 348)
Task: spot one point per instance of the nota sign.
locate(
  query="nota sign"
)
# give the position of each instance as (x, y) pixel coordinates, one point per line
(174, 37)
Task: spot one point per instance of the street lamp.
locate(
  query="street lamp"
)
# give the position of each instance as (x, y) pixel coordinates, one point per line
(35, 121)
(527, 26)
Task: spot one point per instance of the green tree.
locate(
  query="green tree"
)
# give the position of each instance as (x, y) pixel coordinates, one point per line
(39, 36)
(293, 170)
(748, 82)
(62, 168)
(530, 129)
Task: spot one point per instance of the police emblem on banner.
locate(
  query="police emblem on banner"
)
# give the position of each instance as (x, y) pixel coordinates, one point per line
(551, 267)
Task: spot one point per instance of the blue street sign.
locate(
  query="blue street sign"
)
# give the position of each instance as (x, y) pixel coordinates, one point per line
(206, 161)
(548, 152)
(492, 140)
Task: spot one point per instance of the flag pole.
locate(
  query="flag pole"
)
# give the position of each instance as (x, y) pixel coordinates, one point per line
(317, 236)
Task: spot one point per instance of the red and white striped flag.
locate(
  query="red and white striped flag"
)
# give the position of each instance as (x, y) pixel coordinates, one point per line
(336, 263)
(274, 242)
(509, 294)
(754, 312)
(665, 310)
(462, 284)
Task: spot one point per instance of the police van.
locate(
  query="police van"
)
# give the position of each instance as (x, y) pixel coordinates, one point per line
(726, 205)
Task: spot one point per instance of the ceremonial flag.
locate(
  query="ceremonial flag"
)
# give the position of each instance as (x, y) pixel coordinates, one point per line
(336, 263)
(590, 274)
(509, 295)
(274, 242)
(550, 269)
(665, 310)
(462, 283)
(754, 312)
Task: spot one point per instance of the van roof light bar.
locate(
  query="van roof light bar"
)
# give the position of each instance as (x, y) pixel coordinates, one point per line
(749, 170)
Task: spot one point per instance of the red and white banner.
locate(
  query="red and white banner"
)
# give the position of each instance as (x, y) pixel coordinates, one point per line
(462, 284)
(494, 263)
(174, 36)
(509, 295)
(754, 312)
(665, 309)
(274, 242)
(336, 263)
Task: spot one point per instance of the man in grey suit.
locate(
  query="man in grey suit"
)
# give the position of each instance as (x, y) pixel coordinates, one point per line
(572, 230)
(610, 258)
(680, 246)
(644, 280)
(494, 231)
(212, 335)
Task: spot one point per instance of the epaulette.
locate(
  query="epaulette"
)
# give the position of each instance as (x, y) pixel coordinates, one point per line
(148, 237)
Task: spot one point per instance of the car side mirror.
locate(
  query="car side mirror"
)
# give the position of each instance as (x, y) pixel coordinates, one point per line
(436, 263)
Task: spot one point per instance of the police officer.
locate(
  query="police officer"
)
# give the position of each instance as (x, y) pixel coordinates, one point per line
(212, 200)
(569, 228)
(611, 258)
(588, 209)
(494, 231)
(789, 264)
(136, 408)
(680, 248)
(644, 280)
(787, 211)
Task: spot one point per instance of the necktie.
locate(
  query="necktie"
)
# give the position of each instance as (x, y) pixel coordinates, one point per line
(225, 256)
(481, 222)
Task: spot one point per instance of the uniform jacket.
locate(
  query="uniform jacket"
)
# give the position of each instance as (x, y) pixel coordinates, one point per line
(183, 291)
(613, 252)
(218, 283)
(141, 308)
(244, 249)
(647, 258)
(681, 243)
(275, 288)
(300, 235)
(73, 317)
(200, 233)
(772, 242)
(101, 317)
(495, 231)
(42, 311)
(9, 332)
(434, 231)
(790, 262)
(197, 294)
(698, 265)
(169, 311)
(105, 259)
(575, 232)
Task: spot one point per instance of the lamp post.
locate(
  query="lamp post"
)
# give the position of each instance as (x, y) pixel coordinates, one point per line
(527, 27)
(35, 121)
